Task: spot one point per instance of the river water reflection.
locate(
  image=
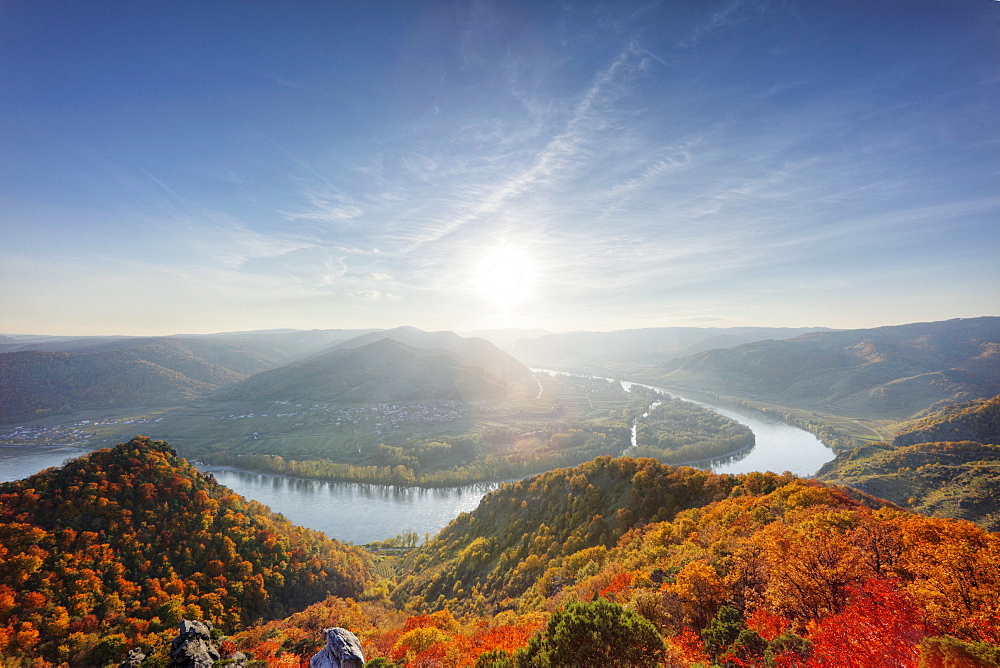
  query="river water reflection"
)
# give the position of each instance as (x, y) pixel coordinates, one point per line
(778, 446)
(361, 513)
(353, 512)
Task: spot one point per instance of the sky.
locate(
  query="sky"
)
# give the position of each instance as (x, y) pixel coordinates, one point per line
(196, 167)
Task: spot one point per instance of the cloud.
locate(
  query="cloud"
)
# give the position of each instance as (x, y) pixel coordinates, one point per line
(565, 150)
(326, 206)
(373, 295)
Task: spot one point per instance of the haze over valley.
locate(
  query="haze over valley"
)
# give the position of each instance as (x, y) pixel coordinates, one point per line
(497, 334)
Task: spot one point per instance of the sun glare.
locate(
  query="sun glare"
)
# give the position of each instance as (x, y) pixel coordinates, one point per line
(504, 276)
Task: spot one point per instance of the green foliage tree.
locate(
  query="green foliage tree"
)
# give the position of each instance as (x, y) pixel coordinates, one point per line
(723, 631)
(596, 633)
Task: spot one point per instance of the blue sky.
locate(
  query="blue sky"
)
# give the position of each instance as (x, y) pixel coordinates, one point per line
(214, 166)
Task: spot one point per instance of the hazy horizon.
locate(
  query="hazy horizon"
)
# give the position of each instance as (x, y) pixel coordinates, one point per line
(535, 331)
(216, 167)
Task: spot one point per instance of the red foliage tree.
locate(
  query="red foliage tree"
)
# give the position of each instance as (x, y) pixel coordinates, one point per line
(879, 628)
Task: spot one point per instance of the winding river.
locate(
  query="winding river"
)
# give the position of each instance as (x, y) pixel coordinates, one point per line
(778, 446)
(360, 513)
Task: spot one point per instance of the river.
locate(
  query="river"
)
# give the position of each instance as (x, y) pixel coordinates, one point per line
(778, 446)
(361, 513)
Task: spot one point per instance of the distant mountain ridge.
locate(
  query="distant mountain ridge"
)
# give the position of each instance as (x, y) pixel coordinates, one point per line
(472, 351)
(278, 345)
(637, 347)
(385, 369)
(124, 373)
(56, 374)
(887, 371)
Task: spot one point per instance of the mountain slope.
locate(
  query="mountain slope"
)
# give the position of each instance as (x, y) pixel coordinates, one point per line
(35, 384)
(972, 421)
(488, 559)
(131, 539)
(959, 480)
(474, 352)
(636, 347)
(122, 373)
(888, 371)
(946, 464)
(793, 567)
(384, 370)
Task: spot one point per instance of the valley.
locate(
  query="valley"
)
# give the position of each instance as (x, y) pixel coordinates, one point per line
(499, 334)
(368, 427)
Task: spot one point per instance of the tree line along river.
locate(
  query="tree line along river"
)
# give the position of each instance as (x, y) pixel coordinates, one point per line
(359, 513)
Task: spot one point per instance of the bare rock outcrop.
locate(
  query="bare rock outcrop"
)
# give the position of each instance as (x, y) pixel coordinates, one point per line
(342, 650)
(133, 660)
(194, 646)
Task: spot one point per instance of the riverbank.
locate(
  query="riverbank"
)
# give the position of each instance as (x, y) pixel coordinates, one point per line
(828, 428)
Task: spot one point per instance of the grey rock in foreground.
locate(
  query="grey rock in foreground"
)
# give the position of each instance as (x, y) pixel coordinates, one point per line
(342, 650)
(133, 660)
(194, 647)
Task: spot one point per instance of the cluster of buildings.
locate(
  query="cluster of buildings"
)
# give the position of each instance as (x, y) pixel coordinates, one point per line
(370, 419)
(80, 433)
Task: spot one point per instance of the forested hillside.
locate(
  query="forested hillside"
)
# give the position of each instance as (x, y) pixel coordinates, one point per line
(470, 351)
(384, 370)
(487, 560)
(35, 384)
(888, 371)
(122, 373)
(657, 564)
(117, 547)
(945, 464)
(972, 421)
(757, 569)
(947, 479)
(629, 348)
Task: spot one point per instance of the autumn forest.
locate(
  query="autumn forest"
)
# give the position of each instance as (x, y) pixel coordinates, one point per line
(889, 556)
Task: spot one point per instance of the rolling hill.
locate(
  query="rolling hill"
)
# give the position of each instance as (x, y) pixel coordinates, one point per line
(945, 464)
(636, 347)
(817, 574)
(48, 375)
(473, 352)
(116, 547)
(380, 371)
(972, 421)
(888, 371)
(122, 373)
(960, 480)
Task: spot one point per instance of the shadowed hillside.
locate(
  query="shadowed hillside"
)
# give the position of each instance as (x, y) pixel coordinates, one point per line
(945, 464)
(636, 347)
(121, 373)
(384, 370)
(972, 421)
(888, 371)
(473, 352)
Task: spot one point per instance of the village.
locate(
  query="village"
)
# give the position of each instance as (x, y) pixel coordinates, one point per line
(372, 420)
(81, 433)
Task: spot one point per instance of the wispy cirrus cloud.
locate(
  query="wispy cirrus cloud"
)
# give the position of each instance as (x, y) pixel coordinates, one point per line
(326, 206)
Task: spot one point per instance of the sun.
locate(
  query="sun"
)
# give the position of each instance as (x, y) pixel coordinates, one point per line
(504, 276)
